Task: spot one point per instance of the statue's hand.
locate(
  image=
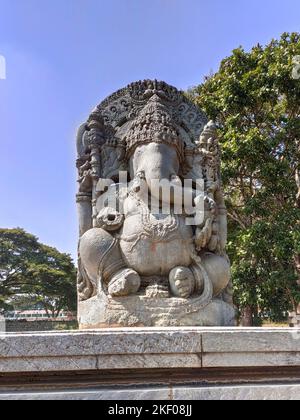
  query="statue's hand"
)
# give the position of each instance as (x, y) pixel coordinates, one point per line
(203, 235)
(110, 219)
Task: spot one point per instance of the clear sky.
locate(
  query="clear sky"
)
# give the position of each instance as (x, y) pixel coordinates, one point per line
(65, 56)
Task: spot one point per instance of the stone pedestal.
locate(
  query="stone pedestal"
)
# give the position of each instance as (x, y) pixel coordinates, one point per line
(151, 363)
(141, 311)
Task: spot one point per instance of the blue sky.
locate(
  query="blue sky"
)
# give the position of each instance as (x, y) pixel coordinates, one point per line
(65, 56)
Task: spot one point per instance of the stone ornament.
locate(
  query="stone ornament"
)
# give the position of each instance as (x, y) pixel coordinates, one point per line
(138, 267)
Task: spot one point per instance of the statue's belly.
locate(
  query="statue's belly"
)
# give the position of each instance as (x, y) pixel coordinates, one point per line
(152, 253)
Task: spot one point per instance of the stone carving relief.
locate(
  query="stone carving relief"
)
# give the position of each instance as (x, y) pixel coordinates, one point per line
(138, 267)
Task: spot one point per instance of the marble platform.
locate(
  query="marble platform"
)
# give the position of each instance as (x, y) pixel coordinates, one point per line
(151, 363)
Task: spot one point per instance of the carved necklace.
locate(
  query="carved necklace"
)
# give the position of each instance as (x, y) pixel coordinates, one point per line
(153, 228)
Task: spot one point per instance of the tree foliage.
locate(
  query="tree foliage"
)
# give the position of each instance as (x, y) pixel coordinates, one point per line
(35, 274)
(256, 101)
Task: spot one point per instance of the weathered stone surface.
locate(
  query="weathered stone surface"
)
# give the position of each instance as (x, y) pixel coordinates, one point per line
(153, 312)
(102, 362)
(48, 364)
(186, 393)
(254, 359)
(236, 363)
(87, 395)
(162, 264)
(254, 392)
(105, 342)
(251, 340)
(152, 347)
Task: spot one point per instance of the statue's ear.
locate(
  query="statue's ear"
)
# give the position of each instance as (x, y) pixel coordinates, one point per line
(80, 140)
(112, 161)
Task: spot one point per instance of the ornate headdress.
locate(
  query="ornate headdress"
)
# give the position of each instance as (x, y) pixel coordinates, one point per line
(154, 124)
(143, 112)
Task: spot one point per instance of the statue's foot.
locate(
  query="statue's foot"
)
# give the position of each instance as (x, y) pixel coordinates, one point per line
(182, 282)
(125, 282)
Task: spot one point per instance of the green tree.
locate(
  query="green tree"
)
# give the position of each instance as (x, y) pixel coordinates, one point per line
(255, 98)
(35, 274)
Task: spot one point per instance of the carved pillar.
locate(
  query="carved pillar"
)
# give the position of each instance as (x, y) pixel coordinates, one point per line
(84, 208)
(96, 168)
(96, 141)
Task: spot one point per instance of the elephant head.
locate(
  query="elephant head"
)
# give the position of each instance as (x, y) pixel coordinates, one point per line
(158, 164)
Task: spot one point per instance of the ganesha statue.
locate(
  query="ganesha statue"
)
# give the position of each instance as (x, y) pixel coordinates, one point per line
(152, 217)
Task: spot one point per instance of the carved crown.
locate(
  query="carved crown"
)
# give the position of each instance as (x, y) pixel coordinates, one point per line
(143, 112)
(155, 123)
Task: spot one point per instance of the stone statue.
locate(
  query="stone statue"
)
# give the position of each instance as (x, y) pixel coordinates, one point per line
(139, 267)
